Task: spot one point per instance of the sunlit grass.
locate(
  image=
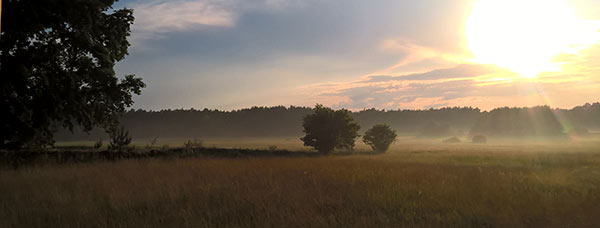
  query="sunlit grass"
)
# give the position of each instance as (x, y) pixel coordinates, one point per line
(422, 185)
(403, 143)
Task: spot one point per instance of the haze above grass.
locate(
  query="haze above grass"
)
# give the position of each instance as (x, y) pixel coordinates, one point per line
(424, 185)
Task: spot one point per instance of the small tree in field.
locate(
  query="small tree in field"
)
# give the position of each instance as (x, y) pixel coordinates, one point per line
(119, 139)
(380, 137)
(327, 129)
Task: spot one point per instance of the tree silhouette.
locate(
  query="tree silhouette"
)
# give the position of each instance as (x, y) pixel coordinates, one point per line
(327, 129)
(519, 122)
(280, 121)
(119, 139)
(56, 62)
(380, 137)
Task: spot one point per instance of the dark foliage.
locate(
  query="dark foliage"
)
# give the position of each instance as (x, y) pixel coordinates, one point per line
(585, 115)
(192, 145)
(98, 144)
(276, 121)
(119, 139)
(282, 121)
(327, 129)
(380, 137)
(517, 122)
(56, 62)
(415, 121)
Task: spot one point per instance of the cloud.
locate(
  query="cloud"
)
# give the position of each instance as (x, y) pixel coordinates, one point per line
(164, 16)
(156, 18)
(414, 53)
(359, 54)
(463, 70)
(467, 84)
(479, 85)
(405, 90)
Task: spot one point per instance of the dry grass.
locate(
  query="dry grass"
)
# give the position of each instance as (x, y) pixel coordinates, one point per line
(422, 186)
(410, 143)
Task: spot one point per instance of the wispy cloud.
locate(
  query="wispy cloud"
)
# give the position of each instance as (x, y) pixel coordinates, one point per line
(415, 53)
(164, 16)
(153, 19)
(460, 71)
(156, 18)
(458, 81)
(484, 86)
(351, 53)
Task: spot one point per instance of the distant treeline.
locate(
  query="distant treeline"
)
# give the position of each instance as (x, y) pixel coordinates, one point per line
(283, 121)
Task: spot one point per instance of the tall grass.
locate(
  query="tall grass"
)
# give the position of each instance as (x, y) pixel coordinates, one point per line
(422, 188)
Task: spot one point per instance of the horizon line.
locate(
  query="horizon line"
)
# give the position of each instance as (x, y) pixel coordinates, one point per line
(359, 110)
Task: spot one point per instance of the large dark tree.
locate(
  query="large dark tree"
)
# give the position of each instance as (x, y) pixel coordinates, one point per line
(56, 68)
(328, 129)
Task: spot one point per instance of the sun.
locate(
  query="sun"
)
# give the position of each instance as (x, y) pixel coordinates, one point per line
(525, 35)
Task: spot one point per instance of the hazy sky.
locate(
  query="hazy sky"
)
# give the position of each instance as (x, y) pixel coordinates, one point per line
(356, 54)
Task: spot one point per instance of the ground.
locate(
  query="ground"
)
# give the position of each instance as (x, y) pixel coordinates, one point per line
(416, 184)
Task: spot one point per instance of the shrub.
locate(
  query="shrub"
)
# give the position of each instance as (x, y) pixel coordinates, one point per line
(479, 139)
(452, 140)
(380, 137)
(98, 144)
(152, 143)
(119, 139)
(327, 129)
(191, 146)
(272, 148)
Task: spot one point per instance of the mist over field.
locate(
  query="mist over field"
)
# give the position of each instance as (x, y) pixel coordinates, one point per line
(299, 113)
(269, 122)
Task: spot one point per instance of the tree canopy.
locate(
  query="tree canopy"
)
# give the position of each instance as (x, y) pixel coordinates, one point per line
(329, 129)
(380, 137)
(56, 63)
(286, 122)
(519, 122)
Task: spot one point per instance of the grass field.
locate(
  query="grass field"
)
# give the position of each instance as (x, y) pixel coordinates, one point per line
(416, 184)
(294, 143)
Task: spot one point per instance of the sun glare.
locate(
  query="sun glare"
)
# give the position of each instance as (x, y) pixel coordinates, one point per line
(524, 35)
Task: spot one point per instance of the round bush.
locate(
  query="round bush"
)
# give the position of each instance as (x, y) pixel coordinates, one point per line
(380, 137)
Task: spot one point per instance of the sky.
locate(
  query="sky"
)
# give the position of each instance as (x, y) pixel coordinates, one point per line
(356, 54)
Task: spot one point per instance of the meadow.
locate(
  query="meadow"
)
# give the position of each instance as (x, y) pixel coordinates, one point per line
(418, 183)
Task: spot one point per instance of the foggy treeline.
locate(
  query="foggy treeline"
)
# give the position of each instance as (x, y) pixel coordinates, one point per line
(283, 121)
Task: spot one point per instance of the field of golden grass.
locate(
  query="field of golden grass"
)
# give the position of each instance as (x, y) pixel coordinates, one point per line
(413, 185)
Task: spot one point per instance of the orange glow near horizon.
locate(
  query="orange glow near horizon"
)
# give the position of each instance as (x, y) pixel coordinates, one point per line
(526, 35)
